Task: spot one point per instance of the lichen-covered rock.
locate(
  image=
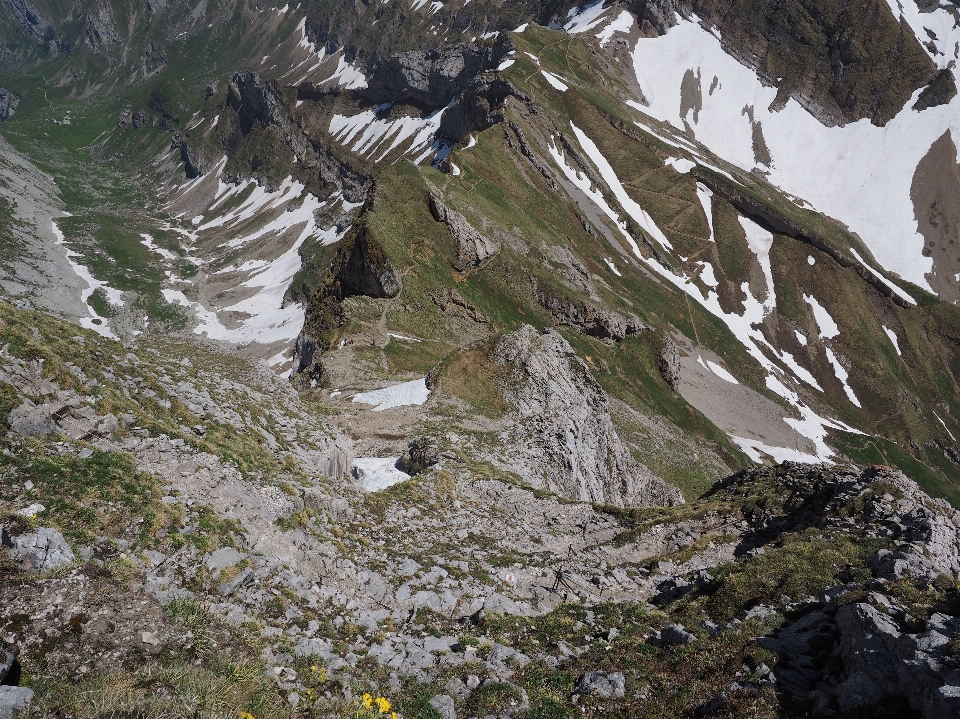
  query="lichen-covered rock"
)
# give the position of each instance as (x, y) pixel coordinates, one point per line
(15, 702)
(563, 439)
(41, 551)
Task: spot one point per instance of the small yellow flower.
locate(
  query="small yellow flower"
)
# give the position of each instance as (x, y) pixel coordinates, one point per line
(393, 715)
(247, 715)
(313, 668)
(366, 701)
(383, 705)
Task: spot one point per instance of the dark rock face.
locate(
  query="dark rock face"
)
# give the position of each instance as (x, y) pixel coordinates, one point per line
(478, 107)
(587, 318)
(433, 78)
(9, 102)
(940, 91)
(365, 269)
(669, 363)
(843, 62)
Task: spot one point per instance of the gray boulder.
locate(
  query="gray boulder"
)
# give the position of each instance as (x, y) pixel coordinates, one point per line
(31, 420)
(15, 702)
(41, 551)
(598, 684)
(675, 635)
(444, 704)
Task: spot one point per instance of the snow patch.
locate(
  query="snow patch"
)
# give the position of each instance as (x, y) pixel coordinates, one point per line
(828, 328)
(622, 23)
(680, 164)
(585, 18)
(94, 322)
(554, 81)
(893, 338)
(613, 267)
(842, 376)
(398, 395)
(376, 473)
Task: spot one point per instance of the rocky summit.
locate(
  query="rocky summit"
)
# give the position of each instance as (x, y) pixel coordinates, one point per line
(476, 359)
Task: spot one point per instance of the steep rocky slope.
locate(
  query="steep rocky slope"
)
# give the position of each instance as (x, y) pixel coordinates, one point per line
(435, 351)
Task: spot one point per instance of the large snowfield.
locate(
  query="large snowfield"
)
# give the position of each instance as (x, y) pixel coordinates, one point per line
(860, 174)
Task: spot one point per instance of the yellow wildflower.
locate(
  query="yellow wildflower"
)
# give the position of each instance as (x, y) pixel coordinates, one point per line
(366, 701)
(247, 715)
(383, 705)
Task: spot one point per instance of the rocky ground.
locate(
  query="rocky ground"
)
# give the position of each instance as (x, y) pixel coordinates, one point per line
(182, 536)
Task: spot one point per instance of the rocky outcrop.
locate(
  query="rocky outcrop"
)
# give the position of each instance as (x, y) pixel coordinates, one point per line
(669, 362)
(479, 107)
(563, 439)
(452, 304)
(586, 317)
(67, 415)
(35, 25)
(473, 249)
(9, 102)
(433, 78)
(361, 267)
(941, 90)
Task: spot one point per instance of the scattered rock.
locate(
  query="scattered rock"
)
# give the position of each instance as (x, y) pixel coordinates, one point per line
(598, 684)
(444, 704)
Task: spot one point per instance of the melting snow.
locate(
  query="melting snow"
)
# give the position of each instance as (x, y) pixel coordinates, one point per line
(148, 242)
(810, 424)
(705, 195)
(585, 18)
(613, 267)
(94, 322)
(828, 328)
(376, 473)
(365, 133)
(801, 338)
(637, 213)
(622, 23)
(755, 451)
(810, 260)
(554, 81)
(842, 376)
(505, 64)
(717, 370)
(348, 76)
(680, 164)
(903, 295)
(760, 241)
(859, 173)
(398, 395)
(893, 338)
